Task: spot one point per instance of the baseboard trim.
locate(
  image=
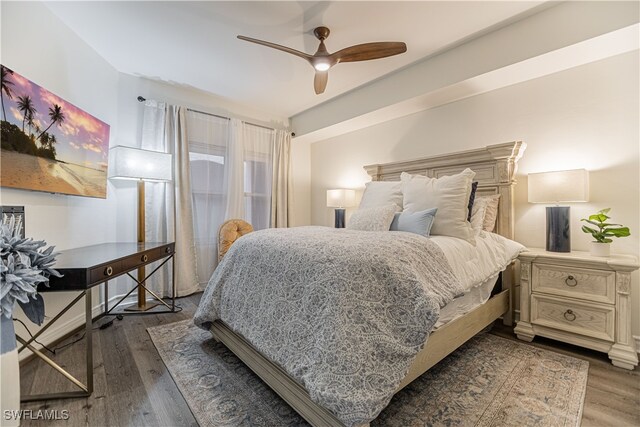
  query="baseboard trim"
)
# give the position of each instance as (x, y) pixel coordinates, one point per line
(636, 338)
(63, 330)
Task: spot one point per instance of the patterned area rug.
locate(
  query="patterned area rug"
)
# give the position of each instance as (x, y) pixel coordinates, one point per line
(489, 381)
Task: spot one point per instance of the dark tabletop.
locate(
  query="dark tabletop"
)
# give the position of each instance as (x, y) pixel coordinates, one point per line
(103, 253)
(83, 268)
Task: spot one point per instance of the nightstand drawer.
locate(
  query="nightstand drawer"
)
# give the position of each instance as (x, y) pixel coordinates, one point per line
(589, 319)
(581, 283)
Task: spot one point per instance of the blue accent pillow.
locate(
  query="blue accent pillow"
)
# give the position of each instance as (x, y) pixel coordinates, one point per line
(414, 222)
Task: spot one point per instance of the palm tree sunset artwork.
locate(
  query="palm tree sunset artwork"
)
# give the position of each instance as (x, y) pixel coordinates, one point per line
(49, 144)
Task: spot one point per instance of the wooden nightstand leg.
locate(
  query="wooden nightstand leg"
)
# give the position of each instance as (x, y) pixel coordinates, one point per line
(523, 329)
(623, 353)
(623, 357)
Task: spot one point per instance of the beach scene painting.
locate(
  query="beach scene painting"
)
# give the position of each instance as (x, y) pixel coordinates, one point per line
(48, 144)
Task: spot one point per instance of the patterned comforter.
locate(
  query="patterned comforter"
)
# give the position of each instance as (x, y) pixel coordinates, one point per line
(343, 312)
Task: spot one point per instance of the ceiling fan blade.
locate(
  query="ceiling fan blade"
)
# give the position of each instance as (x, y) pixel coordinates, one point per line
(320, 81)
(278, 47)
(367, 51)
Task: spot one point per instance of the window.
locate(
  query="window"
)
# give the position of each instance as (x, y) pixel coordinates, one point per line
(216, 182)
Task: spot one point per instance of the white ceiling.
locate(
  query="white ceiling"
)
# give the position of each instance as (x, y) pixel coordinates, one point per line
(195, 44)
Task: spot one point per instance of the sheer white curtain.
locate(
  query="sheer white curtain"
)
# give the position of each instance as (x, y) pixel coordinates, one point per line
(223, 169)
(258, 150)
(231, 175)
(168, 207)
(208, 143)
(281, 189)
(233, 171)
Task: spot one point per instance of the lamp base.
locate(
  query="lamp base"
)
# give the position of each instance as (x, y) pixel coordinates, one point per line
(143, 304)
(558, 230)
(340, 214)
(145, 307)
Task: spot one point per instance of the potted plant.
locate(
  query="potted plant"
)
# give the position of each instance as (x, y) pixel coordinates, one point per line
(604, 232)
(25, 264)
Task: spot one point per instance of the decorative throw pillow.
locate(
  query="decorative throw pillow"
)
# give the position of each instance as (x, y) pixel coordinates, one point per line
(477, 214)
(485, 213)
(472, 197)
(373, 219)
(450, 194)
(491, 214)
(381, 193)
(414, 222)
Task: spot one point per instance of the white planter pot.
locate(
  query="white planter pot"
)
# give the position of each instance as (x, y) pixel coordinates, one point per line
(10, 371)
(600, 249)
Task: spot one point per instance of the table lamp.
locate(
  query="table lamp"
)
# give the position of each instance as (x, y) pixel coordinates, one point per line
(556, 187)
(140, 165)
(340, 199)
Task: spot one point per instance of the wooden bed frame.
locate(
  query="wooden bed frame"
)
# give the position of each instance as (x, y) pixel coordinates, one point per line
(495, 167)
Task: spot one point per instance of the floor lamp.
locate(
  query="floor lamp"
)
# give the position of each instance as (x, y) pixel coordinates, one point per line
(140, 165)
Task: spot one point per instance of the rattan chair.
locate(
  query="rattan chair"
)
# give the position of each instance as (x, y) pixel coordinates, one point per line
(229, 232)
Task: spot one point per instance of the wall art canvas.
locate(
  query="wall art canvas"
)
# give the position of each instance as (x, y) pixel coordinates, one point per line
(49, 144)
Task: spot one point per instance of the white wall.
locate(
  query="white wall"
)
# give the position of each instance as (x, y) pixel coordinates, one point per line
(301, 181)
(38, 46)
(585, 117)
(57, 60)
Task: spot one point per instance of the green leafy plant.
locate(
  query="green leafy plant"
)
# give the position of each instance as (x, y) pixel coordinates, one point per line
(24, 264)
(605, 230)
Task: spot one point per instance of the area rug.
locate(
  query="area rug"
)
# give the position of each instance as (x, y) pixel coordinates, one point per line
(489, 381)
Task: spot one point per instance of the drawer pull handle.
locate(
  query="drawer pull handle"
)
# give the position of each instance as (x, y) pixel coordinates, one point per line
(571, 281)
(145, 258)
(569, 315)
(108, 271)
(168, 250)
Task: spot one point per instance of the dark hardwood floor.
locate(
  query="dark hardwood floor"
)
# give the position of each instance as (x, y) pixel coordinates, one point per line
(133, 387)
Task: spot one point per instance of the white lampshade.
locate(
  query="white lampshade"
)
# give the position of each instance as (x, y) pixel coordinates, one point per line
(134, 163)
(560, 186)
(341, 198)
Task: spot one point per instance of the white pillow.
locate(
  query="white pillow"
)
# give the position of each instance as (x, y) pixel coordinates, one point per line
(477, 214)
(373, 219)
(450, 194)
(382, 193)
(484, 213)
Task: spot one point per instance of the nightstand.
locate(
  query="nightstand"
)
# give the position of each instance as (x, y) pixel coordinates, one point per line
(580, 299)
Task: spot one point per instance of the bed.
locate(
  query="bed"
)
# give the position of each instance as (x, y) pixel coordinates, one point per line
(495, 168)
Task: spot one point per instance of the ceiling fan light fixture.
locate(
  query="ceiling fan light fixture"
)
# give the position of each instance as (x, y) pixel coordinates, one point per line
(322, 60)
(322, 66)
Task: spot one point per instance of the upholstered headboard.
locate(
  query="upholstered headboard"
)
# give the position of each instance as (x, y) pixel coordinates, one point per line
(495, 167)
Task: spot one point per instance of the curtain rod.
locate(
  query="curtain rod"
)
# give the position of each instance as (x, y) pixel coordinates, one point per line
(143, 99)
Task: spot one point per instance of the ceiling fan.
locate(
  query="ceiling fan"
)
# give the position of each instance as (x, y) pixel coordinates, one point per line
(322, 60)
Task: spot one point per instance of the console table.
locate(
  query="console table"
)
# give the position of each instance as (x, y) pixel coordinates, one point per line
(82, 270)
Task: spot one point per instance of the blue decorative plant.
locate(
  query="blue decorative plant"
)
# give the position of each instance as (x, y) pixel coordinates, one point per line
(25, 264)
